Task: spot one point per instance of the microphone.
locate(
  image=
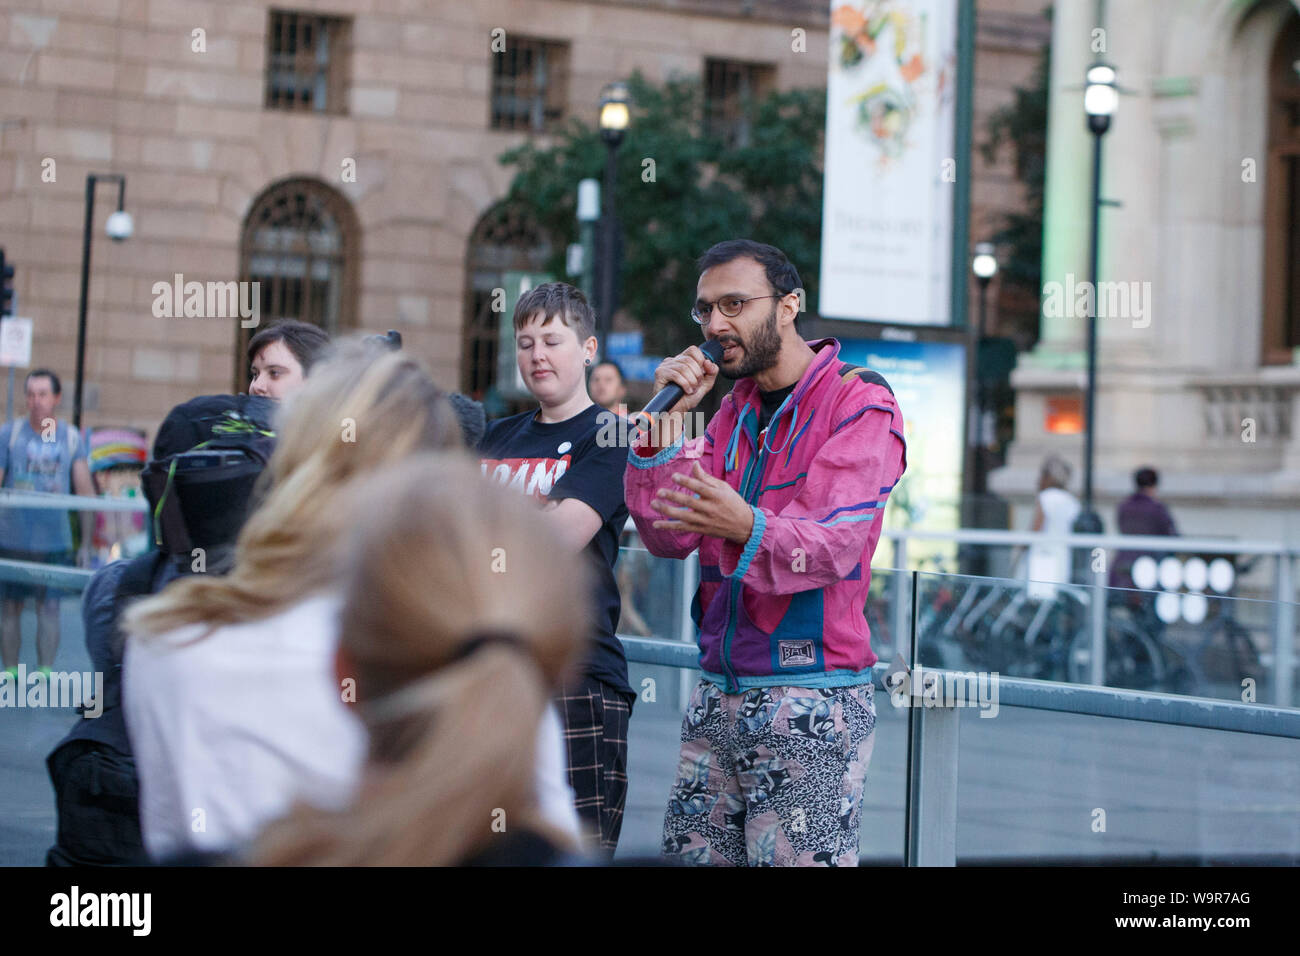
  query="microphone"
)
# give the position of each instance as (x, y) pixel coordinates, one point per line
(672, 393)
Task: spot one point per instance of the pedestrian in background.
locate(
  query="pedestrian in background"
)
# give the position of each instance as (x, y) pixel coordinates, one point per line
(1055, 511)
(45, 454)
(1140, 513)
(608, 388)
(281, 356)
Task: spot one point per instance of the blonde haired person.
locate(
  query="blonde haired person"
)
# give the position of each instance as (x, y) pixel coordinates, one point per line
(1055, 511)
(228, 686)
(457, 626)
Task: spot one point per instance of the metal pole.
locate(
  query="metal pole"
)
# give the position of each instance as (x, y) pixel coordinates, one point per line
(1093, 257)
(959, 289)
(685, 624)
(81, 310)
(964, 90)
(587, 238)
(1284, 631)
(901, 609)
(980, 470)
(605, 314)
(912, 800)
(1098, 620)
(934, 804)
(972, 372)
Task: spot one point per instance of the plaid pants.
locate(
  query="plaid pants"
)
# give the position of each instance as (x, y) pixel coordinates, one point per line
(595, 719)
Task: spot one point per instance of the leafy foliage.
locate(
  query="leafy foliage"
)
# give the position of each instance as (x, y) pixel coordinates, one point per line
(1022, 124)
(767, 187)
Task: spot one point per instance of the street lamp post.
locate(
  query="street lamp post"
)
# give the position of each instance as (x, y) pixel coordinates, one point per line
(985, 266)
(588, 215)
(119, 227)
(613, 123)
(1100, 99)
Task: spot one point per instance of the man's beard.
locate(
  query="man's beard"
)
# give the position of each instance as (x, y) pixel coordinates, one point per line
(760, 354)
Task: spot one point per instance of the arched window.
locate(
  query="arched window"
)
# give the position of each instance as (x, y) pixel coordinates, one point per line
(301, 243)
(506, 242)
(1282, 203)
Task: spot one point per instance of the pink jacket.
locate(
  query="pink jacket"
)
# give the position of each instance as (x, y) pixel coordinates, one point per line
(786, 608)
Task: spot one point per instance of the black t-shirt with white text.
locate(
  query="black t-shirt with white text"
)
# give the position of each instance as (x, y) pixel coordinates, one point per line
(558, 460)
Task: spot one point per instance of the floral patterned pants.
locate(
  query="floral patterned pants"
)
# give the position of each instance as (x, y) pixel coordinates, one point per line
(772, 776)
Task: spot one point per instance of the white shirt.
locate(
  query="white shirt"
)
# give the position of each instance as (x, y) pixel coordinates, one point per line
(230, 730)
(1050, 563)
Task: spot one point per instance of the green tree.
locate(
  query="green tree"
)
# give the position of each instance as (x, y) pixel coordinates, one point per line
(702, 191)
(1022, 125)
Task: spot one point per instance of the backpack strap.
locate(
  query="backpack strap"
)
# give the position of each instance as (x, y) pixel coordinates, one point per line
(847, 371)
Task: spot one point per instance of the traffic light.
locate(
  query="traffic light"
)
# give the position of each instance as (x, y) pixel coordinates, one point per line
(6, 286)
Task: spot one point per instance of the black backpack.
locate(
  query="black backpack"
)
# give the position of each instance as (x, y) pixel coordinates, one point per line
(209, 453)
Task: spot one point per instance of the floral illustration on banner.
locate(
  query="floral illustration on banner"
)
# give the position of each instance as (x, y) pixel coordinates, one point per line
(882, 41)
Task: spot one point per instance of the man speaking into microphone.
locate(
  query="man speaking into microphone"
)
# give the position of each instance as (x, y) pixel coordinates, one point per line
(783, 497)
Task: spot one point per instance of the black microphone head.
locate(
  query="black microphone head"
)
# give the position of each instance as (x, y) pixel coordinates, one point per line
(713, 349)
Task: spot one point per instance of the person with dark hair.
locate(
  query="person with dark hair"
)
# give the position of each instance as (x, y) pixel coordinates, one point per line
(608, 387)
(783, 497)
(553, 454)
(40, 453)
(92, 769)
(782, 277)
(281, 355)
(1140, 513)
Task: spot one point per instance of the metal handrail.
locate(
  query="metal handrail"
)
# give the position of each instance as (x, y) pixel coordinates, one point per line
(930, 802)
(45, 575)
(1080, 699)
(45, 501)
(1119, 542)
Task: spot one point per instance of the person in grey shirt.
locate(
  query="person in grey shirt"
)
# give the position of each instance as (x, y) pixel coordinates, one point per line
(39, 453)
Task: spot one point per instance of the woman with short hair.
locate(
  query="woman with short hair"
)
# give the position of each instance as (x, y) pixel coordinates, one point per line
(281, 355)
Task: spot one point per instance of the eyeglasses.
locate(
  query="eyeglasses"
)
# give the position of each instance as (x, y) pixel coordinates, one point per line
(729, 305)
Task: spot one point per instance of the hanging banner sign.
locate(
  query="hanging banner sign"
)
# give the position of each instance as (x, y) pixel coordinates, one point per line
(890, 169)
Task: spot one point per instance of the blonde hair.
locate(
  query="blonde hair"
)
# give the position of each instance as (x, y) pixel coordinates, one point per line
(359, 410)
(1055, 472)
(453, 739)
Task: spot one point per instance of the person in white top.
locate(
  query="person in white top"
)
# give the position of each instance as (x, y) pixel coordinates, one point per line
(1055, 512)
(231, 728)
(457, 626)
(229, 691)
